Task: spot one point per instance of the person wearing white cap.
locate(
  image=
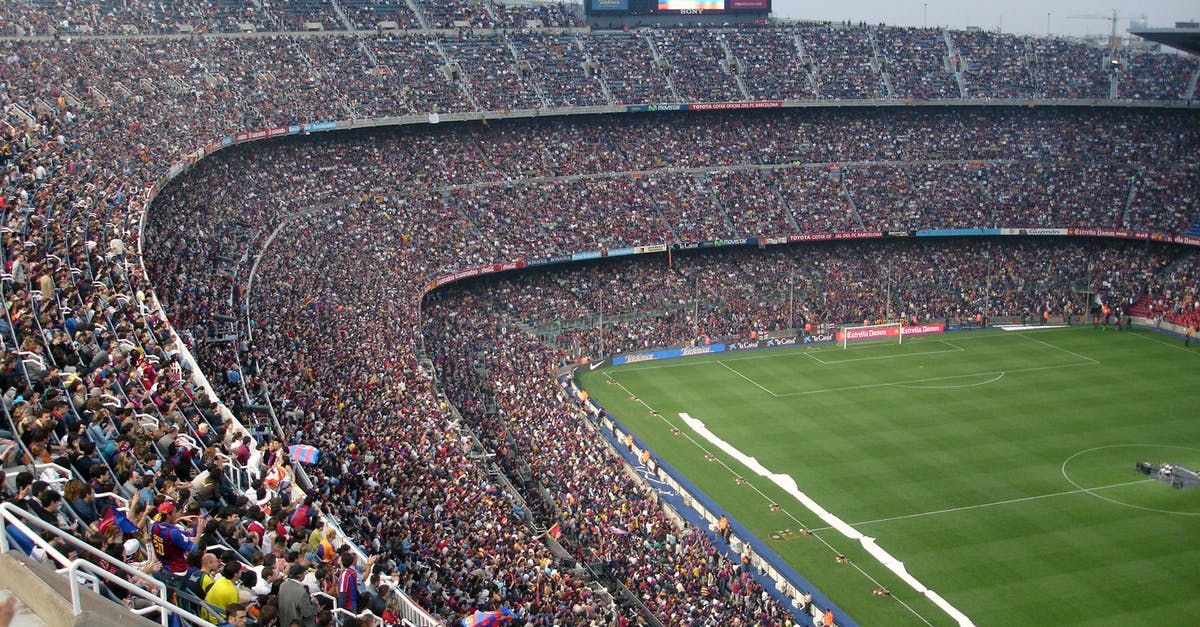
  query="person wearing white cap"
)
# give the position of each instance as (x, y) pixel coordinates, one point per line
(131, 549)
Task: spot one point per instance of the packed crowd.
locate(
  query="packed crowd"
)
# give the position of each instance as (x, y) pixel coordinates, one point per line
(1150, 76)
(770, 64)
(917, 61)
(844, 63)
(605, 517)
(331, 314)
(117, 17)
(491, 74)
(569, 76)
(1175, 295)
(629, 68)
(1162, 196)
(712, 80)
(633, 305)
(989, 66)
(405, 72)
(369, 14)
(96, 382)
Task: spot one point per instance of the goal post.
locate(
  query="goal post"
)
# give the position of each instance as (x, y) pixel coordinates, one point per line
(858, 334)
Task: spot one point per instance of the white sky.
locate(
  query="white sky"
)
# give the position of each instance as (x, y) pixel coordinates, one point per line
(1010, 16)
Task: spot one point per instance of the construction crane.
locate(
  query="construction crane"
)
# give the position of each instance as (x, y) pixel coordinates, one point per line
(1114, 40)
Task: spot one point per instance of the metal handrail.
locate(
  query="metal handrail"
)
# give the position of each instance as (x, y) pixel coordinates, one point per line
(74, 569)
(20, 518)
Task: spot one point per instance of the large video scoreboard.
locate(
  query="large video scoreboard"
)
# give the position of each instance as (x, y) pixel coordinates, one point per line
(676, 7)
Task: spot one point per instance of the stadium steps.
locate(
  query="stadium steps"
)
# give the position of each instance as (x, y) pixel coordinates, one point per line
(44, 598)
(877, 60)
(733, 66)
(952, 66)
(415, 7)
(24, 616)
(346, 22)
(1140, 307)
(1130, 197)
(663, 67)
(783, 202)
(850, 201)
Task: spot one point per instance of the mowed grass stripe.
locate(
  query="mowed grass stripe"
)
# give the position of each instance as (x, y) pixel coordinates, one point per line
(884, 450)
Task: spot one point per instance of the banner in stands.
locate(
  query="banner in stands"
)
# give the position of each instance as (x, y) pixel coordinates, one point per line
(703, 106)
(821, 237)
(735, 241)
(1033, 231)
(1142, 235)
(479, 271)
(893, 331)
(923, 329)
(320, 126)
(669, 353)
(778, 342)
(545, 261)
(729, 106)
(956, 232)
(610, 5)
(654, 108)
(868, 333)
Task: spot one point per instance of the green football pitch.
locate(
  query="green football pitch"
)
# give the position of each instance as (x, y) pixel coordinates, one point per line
(997, 467)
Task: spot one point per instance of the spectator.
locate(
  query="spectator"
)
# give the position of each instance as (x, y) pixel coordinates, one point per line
(171, 542)
(223, 591)
(295, 602)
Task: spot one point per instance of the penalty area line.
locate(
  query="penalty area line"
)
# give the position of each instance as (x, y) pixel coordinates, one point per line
(867, 386)
(752, 381)
(992, 504)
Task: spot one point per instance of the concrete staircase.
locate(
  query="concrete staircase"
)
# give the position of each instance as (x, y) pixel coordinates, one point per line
(1140, 307)
(44, 598)
(24, 616)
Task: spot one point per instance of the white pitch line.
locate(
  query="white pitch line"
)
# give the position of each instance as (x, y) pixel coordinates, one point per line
(896, 356)
(750, 484)
(955, 346)
(1069, 352)
(1154, 337)
(981, 505)
(813, 355)
(752, 381)
(931, 379)
(772, 353)
(810, 351)
(952, 387)
(789, 486)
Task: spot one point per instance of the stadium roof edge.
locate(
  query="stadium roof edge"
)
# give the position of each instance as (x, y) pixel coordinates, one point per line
(1185, 39)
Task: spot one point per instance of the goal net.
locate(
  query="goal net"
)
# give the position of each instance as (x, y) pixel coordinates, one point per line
(873, 333)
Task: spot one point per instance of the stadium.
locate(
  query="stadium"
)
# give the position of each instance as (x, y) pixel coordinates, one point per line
(467, 313)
